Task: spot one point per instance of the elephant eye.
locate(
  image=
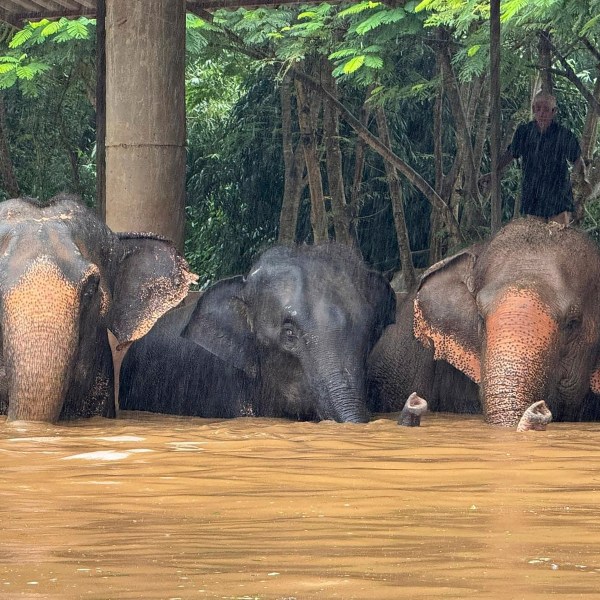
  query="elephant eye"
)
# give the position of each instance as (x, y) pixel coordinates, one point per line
(289, 334)
(573, 323)
(91, 287)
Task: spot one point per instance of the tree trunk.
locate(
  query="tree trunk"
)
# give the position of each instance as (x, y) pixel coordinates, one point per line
(360, 152)
(436, 222)
(293, 159)
(386, 153)
(7, 171)
(463, 138)
(495, 114)
(406, 263)
(545, 62)
(333, 154)
(307, 121)
(589, 137)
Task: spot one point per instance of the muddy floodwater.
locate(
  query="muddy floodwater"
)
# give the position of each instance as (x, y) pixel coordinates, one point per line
(148, 506)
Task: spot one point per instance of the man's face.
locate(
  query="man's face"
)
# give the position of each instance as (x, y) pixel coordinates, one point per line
(543, 112)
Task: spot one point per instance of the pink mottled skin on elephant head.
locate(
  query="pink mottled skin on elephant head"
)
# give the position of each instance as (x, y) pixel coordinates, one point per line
(521, 337)
(520, 315)
(446, 346)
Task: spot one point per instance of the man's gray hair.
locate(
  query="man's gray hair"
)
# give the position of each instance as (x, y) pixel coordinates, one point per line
(545, 96)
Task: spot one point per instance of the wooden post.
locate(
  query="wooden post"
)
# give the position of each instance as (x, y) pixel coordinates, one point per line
(101, 109)
(145, 116)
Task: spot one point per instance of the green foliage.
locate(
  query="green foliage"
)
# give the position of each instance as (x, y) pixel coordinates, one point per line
(234, 166)
(235, 171)
(63, 30)
(20, 69)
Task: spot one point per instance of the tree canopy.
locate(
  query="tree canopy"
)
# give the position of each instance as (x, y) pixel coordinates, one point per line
(365, 122)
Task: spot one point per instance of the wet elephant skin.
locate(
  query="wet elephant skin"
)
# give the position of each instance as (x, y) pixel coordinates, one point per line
(290, 339)
(64, 279)
(513, 320)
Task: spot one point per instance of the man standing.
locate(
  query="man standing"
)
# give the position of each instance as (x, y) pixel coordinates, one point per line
(544, 148)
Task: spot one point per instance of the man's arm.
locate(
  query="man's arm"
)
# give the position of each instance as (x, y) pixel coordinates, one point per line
(503, 162)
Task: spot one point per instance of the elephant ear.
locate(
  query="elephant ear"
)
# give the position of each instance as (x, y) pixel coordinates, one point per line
(446, 316)
(221, 325)
(150, 278)
(383, 299)
(595, 380)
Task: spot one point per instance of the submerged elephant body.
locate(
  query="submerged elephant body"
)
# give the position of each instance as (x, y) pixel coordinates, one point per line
(64, 279)
(290, 339)
(519, 316)
(400, 365)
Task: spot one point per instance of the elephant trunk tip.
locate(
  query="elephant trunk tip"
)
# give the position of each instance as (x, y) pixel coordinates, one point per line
(535, 418)
(414, 407)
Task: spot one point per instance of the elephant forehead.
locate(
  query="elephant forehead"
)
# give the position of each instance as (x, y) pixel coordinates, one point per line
(548, 285)
(519, 316)
(536, 298)
(23, 240)
(42, 289)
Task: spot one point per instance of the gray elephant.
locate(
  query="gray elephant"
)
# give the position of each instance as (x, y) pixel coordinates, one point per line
(507, 323)
(64, 279)
(290, 339)
(400, 365)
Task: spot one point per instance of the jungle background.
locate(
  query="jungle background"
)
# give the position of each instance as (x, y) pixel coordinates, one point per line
(367, 123)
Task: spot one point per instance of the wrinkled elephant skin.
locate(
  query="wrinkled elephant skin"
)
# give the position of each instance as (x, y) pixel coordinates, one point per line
(65, 279)
(290, 339)
(518, 316)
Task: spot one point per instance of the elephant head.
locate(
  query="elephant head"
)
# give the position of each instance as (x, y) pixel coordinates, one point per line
(301, 324)
(519, 315)
(64, 279)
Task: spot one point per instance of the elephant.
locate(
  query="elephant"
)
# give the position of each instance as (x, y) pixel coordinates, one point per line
(498, 327)
(65, 279)
(400, 365)
(290, 339)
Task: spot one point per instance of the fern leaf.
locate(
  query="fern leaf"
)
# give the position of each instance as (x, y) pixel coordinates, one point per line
(50, 29)
(353, 64)
(6, 68)
(379, 18)
(78, 30)
(20, 38)
(358, 8)
(24, 72)
(590, 25)
(344, 53)
(373, 62)
(424, 5)
(8, 79)
(41, 23)
(307, 14)
(38, 67)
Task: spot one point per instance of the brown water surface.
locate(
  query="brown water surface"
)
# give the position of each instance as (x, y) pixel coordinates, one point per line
(148, 506)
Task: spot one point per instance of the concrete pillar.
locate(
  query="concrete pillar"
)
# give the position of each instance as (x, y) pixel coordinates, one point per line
(145, 116)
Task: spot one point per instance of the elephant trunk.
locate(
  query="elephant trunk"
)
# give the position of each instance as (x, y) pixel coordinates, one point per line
(40, 335)
(340, 383)
(413, 409)
(521, 339)
(535, 418)
(345, 399)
